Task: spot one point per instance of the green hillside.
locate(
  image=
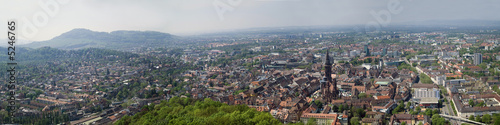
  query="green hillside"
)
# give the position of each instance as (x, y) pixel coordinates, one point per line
(186, 111)
(118, 40)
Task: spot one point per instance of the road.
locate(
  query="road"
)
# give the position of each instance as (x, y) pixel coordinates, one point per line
(406, 60)
(446, 110)
(462, 119)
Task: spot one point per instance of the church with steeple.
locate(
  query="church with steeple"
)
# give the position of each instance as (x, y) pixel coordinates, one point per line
(328, 85)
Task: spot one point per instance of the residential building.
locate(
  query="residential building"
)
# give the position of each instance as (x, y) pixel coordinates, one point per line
(478, 58)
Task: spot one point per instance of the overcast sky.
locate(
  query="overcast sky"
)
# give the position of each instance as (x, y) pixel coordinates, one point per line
(181, 17)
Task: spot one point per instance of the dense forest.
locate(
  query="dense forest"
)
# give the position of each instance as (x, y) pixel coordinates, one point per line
(198, 112)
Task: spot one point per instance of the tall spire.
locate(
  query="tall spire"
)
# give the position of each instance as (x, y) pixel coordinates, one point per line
(327, 60)
(328, 66)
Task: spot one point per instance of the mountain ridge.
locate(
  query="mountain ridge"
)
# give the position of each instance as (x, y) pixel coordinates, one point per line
(121, 39)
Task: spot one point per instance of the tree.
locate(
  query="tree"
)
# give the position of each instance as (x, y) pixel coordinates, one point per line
(483, 65)
(408, 105)
(404, 123)
(312, 121)
(354, 121)
(497, 121)
(478, 119)
(358, 112)
(362, 95)
(341, 108)
(399, 108)
(471, 117)
(396, 110)
(480, 104)
(335, 108)
(440, 103)
(438, 120)
(186, 110)
(413, 112)
(318, 103)
(435, 111)
(471, 102)
(487, 118)
(428, 112)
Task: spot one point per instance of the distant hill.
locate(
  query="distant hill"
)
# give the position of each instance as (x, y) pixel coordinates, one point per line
(119, 40)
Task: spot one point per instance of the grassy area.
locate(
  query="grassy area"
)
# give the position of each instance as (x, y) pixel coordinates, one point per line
(425, 79)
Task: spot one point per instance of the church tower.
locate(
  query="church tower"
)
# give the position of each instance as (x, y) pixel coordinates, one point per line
(328, 67)
(328, 86)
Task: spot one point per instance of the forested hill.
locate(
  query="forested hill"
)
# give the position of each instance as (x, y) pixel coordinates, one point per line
(186, 111)
(118, 40)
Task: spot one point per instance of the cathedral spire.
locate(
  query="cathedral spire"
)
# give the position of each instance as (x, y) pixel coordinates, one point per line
(327, 60)
(328, 66)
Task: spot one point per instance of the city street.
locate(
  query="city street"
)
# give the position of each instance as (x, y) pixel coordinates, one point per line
(447, 110)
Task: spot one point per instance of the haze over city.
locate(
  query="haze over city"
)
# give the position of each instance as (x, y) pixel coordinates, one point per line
(188, 17)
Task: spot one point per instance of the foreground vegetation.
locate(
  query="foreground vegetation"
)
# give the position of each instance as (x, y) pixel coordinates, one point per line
(197, 112)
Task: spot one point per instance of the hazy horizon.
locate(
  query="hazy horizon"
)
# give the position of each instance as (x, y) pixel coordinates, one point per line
(193, 17)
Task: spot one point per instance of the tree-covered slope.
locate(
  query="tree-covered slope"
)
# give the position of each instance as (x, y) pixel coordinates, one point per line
(119, 40)
(196, 112)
